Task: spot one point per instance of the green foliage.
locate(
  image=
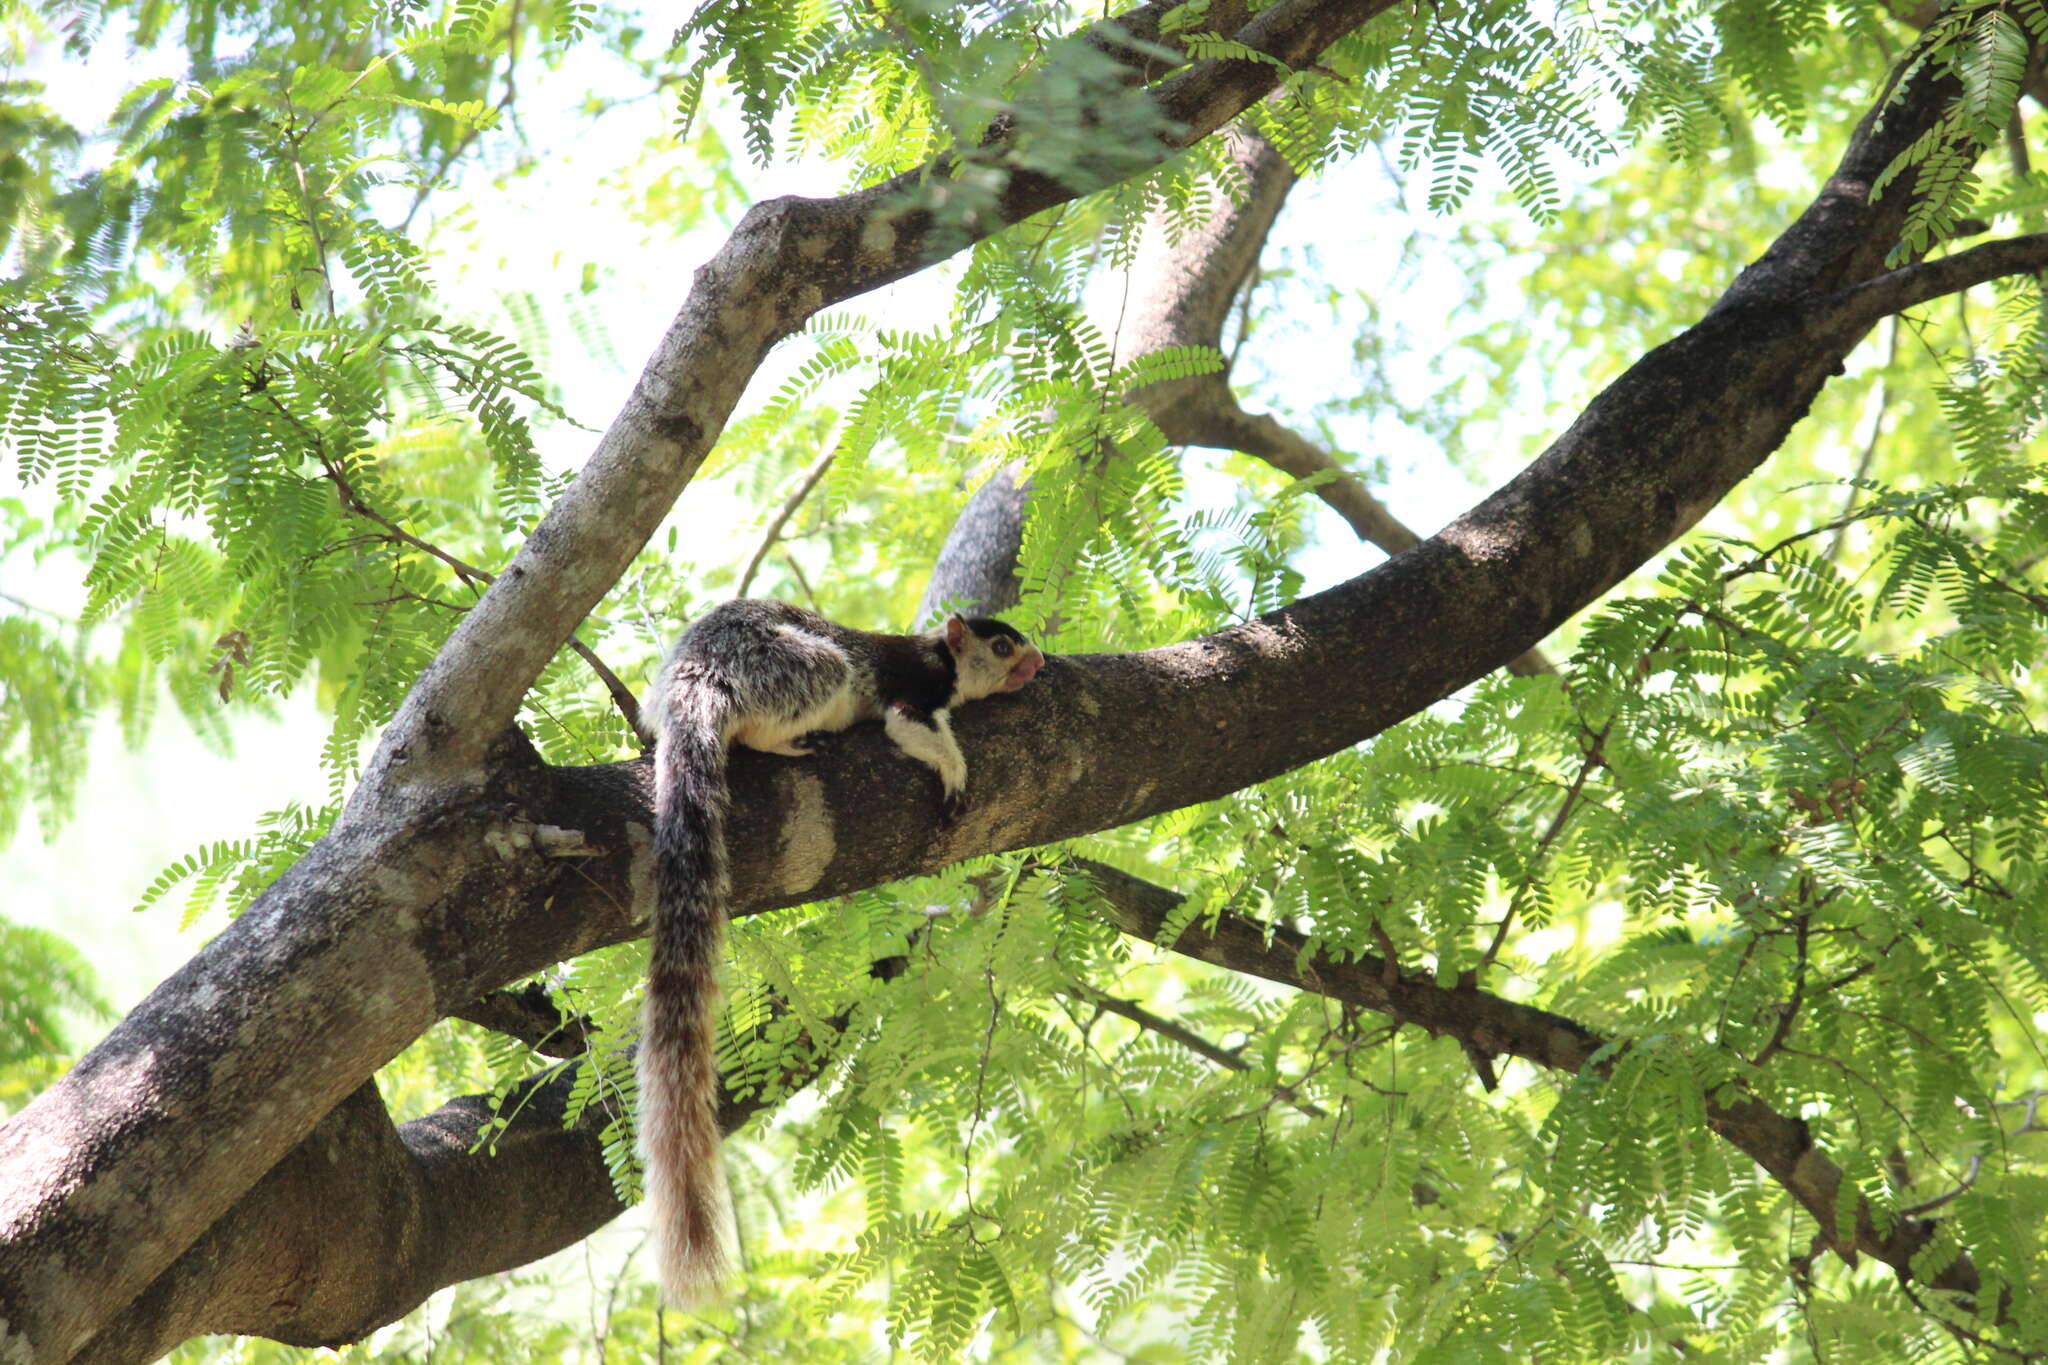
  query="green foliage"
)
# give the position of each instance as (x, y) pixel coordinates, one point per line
(1780, 837)
(46, 990)
(1984, 49)
(1739, 839)
(233, 872)
(246, 521)
(44, 685)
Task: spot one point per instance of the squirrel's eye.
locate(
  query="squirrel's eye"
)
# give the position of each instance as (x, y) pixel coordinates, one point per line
(1002, 648)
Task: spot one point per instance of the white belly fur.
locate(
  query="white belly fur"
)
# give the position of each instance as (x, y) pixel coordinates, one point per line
(774, 734)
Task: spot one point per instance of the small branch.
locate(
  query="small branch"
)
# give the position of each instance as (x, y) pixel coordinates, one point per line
(1572, 793)
(1788, 1013)
(472, 577)
(469, 138)
(353, 504)
(1884, 393)
(56, 616)
(796, 571)
(1955, 1329)
(531, 1015)
(313, 222)
(1761, 560)
(1928, 1206)
(2031, 1102)
(1495, 1027)
(622, 696)
(423, 599)
(810, 480)
(1189, 1039)
(2038, 601)
(1862, 305)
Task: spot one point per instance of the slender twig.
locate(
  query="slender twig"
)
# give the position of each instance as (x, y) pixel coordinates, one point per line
(1111, 1084)
(40, 611)
(313, 225)
(2038, 601)
(790, 504)
(1189, 1039)
(1788, 1012)
(1869, 457)
(796, 571)
(988, 1039)
(474, 578)
(423, 599)
(1587, 765)
(1883, 1101)
(455, 153)
(1954, 1328)
(1930, 1205)
(1762, 558)
(622, 695)
(1857, 973)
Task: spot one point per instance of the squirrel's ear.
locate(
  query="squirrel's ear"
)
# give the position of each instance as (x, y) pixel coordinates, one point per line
(956, 631)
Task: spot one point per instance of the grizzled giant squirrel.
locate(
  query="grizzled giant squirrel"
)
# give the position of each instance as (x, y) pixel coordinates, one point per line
(769, 676)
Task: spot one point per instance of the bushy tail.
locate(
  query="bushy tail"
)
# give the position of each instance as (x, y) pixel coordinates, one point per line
(679, 1032)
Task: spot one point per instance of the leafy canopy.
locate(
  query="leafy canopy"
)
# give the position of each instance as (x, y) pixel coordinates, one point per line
(1782, 830)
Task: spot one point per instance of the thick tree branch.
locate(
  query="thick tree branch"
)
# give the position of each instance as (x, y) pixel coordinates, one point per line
(363, 1220)
(531, 1016)
(359, 1223)
(1494, 1027)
